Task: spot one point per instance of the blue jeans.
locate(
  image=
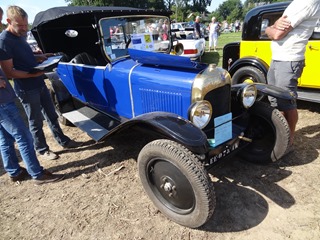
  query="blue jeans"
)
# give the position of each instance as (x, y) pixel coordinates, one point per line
(12, 128)
(37, 103)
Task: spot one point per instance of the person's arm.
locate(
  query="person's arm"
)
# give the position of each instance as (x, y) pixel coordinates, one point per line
(3, 82)
(11, 72)
(42, 57)
(279, 29)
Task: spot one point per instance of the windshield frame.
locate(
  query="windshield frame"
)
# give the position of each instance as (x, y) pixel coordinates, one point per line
(118, 34)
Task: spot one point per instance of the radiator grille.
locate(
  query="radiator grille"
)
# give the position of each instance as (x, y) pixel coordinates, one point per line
(157, 100)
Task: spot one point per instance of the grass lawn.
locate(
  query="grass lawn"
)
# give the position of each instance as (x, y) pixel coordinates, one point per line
(216, 57)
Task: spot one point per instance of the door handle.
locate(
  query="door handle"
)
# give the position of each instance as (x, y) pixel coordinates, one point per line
(313, 48)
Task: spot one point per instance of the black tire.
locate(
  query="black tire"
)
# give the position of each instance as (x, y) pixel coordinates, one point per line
(248, 73)
(269, 132)
(176, 182)
(60, 108)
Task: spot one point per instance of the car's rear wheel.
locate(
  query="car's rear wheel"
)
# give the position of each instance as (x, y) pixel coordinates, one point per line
(269, 132)
(60, 108)
(176, 182)
(248, 74)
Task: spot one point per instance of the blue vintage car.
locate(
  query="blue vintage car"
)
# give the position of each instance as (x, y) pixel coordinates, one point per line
(117, 75)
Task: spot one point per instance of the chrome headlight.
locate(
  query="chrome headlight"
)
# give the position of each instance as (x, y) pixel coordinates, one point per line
(249, 95)
(200, 113)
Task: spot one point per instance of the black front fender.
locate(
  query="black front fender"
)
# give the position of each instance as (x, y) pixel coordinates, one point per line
(271, 90)
(265, 89)
(175, 127)
(170, 126)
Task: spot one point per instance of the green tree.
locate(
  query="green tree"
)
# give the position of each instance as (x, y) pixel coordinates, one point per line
(181, 8)
(124, 3)
(249, 4)
(199, 5)
(230, 10)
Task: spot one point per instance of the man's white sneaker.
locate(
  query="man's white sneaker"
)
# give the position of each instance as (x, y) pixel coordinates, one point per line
(49, 155)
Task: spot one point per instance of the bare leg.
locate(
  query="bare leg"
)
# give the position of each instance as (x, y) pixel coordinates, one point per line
(292, 119)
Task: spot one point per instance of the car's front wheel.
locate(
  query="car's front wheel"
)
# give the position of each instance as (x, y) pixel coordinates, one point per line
(269, 132)
(176, 182)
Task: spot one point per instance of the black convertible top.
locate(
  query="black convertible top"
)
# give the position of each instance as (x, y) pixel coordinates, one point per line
(59, 12)
(49, 27)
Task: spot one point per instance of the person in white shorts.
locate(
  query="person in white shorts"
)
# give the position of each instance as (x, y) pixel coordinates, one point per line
(214, 27)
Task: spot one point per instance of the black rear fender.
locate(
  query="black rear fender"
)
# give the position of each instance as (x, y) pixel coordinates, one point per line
(62, 94)
(249, 61)
(230, 54)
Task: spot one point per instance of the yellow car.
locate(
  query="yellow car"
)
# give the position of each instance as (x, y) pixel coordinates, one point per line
(249, 59)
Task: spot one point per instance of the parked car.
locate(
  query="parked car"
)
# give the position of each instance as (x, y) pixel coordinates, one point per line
(193, 48)
(185, 30)
(179, 29)
(33, 43)
(204, 31)
(106, 84)
(249, 59)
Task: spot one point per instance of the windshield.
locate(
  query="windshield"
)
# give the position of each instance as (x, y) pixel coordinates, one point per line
(148, 33)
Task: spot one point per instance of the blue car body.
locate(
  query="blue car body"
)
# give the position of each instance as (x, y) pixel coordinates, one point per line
(129, 88)
(117, 73)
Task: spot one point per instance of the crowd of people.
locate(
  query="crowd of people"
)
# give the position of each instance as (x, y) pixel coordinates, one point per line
(214, 29)
(159, 29)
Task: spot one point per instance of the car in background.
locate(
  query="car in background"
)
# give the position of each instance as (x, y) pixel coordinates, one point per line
(185, 30)
(115, 77)
(193, 48)
(204, 31)
(179, 29)
(249, 59)
(33, 43)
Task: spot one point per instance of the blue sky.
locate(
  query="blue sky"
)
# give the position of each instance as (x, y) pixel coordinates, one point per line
(32, 7)
(214, 5)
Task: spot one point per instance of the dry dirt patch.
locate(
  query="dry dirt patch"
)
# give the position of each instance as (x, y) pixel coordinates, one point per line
(102, 198)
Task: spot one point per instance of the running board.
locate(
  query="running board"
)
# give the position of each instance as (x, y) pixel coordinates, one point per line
(90, 121)
(310, 95)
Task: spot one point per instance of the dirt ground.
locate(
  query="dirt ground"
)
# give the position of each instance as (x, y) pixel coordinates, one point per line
(102, 197)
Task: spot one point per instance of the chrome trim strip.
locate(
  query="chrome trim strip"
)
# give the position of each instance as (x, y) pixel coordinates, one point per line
(130, 88)
(83, 65)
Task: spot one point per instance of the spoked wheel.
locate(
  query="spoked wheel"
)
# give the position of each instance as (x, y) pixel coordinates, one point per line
(176, 182)
(269, 132)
